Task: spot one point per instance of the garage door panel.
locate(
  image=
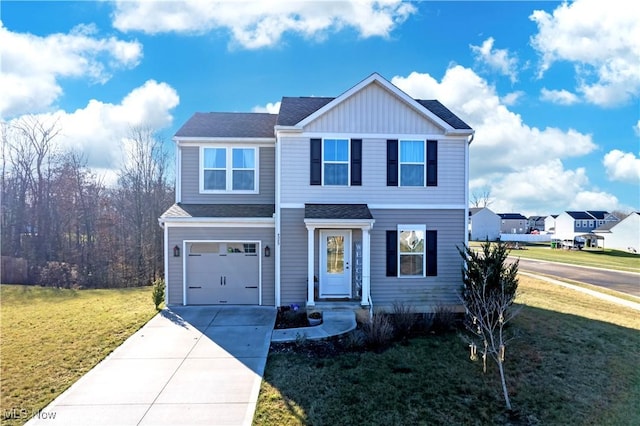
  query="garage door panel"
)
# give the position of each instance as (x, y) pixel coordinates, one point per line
(219, 273)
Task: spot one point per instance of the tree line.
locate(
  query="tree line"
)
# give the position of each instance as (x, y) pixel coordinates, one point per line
(73, 229)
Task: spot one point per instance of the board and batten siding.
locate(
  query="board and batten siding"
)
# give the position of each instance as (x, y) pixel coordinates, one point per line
(178, 234)
(373, 110)
(422, 293)
(295, 187)
(190, 180)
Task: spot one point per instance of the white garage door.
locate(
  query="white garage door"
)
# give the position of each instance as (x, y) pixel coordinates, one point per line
(223, 273)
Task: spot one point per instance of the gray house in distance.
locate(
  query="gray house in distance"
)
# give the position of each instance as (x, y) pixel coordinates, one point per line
(360, 198)
(513, 223)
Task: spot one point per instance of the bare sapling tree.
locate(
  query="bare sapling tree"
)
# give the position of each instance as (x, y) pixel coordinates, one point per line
(481, 199)
(490, 286)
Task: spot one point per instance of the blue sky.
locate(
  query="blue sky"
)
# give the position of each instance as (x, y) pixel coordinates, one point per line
(552, 89)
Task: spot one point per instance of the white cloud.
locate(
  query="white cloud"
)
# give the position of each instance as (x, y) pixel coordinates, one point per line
(636, 128)
(256, 24)
(512, 98)
(503, 142)
(601, 38)
(622, 166)
(271, 108)
(521, 165)
(99, 129)
(499, 60)
(32, 65)
(562, 97)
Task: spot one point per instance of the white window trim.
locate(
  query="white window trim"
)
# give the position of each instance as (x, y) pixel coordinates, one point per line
(423, 163)
(229, 170)
(348, 162)
(413, 227)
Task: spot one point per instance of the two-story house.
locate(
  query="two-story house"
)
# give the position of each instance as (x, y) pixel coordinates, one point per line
(361, 197)
(571, 224)
(513, 223)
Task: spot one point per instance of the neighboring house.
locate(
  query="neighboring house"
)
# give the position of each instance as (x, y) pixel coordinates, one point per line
(572, 224)
(622, 235)
(536, 223)
(483, 224)
(512, 223)
(359, 198)
(550, 223)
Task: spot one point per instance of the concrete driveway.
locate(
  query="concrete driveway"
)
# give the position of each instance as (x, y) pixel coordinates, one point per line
(187, 366)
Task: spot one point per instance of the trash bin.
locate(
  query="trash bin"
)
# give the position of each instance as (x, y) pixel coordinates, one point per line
(553, 244)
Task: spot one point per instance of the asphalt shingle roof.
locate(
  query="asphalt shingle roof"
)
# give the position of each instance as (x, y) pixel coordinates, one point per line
(598, 214)
(580, 215)
(337, 211)
(511, 216)
(229, 124)
(219, 210)
(294, 110)
(443, 113)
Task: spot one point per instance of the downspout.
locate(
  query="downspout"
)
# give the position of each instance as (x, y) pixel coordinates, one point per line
(466, 191)
(277, 220)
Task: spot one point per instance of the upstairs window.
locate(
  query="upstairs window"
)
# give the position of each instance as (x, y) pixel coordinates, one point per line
(228, 170)
(335, 161)
(412, 163)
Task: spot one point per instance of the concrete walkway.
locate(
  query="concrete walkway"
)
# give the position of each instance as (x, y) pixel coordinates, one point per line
(187, 366)
(333, 324)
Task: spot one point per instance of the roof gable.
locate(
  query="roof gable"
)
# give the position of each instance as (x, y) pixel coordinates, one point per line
(308, 110)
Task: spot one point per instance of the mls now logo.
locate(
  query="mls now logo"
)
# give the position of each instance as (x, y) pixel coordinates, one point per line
(24, 414)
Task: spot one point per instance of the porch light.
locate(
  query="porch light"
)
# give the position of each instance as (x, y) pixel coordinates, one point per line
(267, 251)
(176, 251)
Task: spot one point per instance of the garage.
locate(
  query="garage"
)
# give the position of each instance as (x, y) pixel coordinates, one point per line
(222, 273)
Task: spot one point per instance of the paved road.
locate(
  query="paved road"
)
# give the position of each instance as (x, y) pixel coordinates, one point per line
(626, 282)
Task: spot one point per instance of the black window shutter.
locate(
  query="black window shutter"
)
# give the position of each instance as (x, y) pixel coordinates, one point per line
(392, 162)
(432, 163)
(432, 253)
(356, 162)
(392, 253)
(316, 162)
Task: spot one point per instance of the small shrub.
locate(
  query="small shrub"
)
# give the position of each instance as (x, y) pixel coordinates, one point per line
(403, 320)
(378, 332)
(158, 293)
(57, 274)
(444, 319)
(354, 340)
(424, 322)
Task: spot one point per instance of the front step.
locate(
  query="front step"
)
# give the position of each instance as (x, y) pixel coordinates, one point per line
(336, 306)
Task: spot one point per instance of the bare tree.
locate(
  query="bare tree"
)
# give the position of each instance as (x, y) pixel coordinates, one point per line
(143, 195)
(481, 198)
(489, 291)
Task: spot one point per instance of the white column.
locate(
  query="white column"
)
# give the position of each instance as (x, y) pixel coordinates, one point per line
(310, 258)
(366, 266)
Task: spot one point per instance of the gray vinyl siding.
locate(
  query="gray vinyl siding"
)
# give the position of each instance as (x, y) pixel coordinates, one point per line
(190, 180)
(373, 110)
(293, 257)
(374, 190)
(178, 234)
(421, 292)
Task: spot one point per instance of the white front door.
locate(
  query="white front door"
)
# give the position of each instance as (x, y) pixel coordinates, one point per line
(335, 263)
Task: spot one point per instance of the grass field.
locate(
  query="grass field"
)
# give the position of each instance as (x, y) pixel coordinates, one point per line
(574, 361)
(51, 337)
(609, 259)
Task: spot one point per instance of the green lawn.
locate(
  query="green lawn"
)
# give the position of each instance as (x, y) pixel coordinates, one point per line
(575, 361)
(51, 337)
(610, 259)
